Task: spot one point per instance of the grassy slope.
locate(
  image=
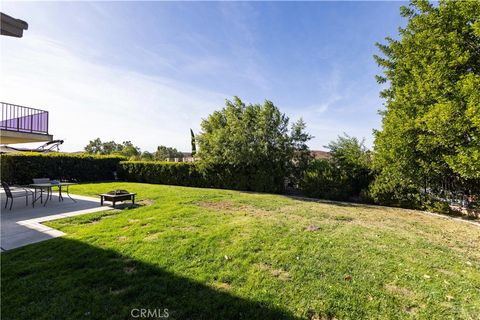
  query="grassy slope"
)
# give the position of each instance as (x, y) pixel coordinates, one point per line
(222, 254)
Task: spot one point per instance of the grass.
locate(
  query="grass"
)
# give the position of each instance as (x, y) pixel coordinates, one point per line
(218, 254)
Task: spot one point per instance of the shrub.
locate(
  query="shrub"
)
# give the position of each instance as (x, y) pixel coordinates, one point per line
(438, 206)
(172, 173)
(21, 168)
(352, 159)
(395, 192)
(344, 176)
(326, 181)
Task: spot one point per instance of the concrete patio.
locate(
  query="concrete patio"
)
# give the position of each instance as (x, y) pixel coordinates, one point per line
(23, 225)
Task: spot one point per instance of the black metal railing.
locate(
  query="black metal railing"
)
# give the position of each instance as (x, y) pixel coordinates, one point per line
(23, 119)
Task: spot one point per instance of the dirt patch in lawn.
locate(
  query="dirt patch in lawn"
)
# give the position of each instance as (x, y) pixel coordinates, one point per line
(222, 286)
(231, 207)
(312, 228)
(400, 291)
(151, 237)
(146, 202)
(277, 273)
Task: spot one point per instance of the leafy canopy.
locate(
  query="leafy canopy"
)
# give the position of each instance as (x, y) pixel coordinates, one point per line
(164, 153)
(430, 136)
(125, 148)
(129, 150)
(254, 144)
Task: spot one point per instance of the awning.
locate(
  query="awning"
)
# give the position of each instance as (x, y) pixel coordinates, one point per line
(12, 27)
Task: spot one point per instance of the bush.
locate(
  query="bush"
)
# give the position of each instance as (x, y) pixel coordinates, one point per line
(172, 173)
(21, 168)
(324, 180)
(437, 206)
(395, 192)
(329, 179)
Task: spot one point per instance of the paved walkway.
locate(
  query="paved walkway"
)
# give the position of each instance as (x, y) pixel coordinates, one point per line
(22, 225)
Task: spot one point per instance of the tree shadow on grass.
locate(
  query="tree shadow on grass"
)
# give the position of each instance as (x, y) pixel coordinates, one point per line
(67, 279)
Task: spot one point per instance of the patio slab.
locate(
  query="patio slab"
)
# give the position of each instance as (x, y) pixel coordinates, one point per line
(23, 225)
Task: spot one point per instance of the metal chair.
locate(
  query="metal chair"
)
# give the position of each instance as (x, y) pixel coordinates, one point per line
(18, 192)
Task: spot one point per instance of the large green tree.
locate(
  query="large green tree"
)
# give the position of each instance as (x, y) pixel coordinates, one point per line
(251, 147)
(126, 148)
(163, 153)
(430, 136)
(94, 146)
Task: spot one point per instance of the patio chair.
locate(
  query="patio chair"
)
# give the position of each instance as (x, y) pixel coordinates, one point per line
(15, 192)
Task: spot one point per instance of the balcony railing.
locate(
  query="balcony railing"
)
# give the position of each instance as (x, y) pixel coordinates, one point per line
(23, 119)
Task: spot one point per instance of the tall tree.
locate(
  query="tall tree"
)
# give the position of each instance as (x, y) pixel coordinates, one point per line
(147, 156)
(129, 150)
(430, 136)
(111, 147)
(192, 141)
(250, 145)
(94, 147)
(163, 153)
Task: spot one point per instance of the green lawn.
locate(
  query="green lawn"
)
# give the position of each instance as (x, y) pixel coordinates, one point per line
(213, 254)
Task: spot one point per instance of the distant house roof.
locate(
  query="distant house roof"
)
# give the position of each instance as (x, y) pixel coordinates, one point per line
(12, 27)
(319, 154)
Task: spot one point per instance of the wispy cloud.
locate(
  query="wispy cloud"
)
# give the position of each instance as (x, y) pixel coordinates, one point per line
(341, 107)
(241, 17)
(88, 100)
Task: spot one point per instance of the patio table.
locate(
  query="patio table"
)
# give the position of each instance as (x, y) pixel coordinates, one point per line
(48, 187)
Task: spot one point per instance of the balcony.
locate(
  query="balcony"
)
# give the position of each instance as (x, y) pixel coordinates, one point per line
(20, 124)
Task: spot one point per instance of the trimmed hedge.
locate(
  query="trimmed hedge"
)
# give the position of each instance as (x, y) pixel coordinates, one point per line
(21, 168)
(326, 180)
(172, 173)
(193, 175)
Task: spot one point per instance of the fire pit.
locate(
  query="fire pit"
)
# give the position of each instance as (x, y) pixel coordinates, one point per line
(117, 195)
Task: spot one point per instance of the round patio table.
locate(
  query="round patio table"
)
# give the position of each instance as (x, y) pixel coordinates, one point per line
(48, 187)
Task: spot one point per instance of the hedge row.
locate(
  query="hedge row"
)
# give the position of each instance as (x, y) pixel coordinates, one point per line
(21, 168)
(172, 173)
(193, 175)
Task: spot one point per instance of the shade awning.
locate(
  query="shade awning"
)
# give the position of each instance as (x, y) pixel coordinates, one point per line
(12, 27)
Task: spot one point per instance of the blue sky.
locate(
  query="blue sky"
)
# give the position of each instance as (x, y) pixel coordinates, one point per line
(149, 71)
